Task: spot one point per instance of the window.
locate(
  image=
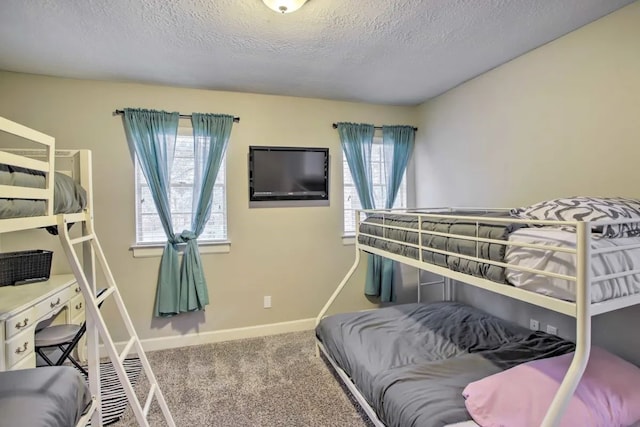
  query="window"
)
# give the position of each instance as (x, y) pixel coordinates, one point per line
(351, 199)
(148, 226)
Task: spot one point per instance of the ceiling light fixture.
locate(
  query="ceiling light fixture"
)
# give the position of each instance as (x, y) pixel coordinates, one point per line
(284, 6)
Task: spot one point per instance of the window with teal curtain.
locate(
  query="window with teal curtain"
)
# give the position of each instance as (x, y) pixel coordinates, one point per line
(152, 137)
(398, 141)
(149, 230)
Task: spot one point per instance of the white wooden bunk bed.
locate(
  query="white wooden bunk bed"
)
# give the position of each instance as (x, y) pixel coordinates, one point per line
(406, 236)
(26, 205)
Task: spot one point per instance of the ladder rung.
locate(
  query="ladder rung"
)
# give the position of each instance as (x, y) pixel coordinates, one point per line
(105, 295)
(127, 349)
(147, 404)
(81, 239)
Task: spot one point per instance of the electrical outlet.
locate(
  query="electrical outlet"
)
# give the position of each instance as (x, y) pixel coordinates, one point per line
(534, 325)
(552, 330)
(267, 301)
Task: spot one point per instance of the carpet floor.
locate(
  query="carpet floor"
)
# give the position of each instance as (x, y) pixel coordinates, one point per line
(270, 381)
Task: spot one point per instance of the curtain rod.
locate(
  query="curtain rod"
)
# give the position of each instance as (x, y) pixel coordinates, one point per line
(182, 116)
(335, 126)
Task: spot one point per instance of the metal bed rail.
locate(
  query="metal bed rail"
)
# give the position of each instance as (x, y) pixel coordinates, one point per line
(582, 309)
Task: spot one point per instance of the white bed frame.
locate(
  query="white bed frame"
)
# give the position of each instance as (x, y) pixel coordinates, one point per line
(582, 309)
(77, 164)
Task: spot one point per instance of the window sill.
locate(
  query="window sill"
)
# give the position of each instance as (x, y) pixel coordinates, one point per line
(155, 250)
(348, 239)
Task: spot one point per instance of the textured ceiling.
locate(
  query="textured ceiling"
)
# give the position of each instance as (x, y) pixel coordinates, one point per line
(380, 51)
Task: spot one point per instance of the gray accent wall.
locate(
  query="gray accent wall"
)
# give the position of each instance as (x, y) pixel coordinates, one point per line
(561, 120)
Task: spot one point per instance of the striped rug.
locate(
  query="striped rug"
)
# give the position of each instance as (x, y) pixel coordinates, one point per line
(114, 400)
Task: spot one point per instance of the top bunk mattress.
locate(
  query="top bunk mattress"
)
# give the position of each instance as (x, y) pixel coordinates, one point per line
(69, 196)
(371, 233)
(55, 396)
(620, 260)
(411, 362)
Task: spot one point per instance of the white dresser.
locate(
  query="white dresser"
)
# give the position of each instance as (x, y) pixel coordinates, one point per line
(23, 307)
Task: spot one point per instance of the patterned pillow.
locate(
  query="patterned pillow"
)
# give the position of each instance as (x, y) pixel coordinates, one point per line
(588, 209)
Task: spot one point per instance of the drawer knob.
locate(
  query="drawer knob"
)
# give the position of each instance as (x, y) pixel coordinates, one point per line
(77, 290)
(78, 306)
(22, 324)
(23, 349)
(54, 304)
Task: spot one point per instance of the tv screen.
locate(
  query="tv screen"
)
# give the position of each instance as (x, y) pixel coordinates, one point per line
(288, 173)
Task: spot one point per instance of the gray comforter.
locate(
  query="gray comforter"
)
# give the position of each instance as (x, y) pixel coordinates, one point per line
(489, 251)
(411, 362)
(68, 196)
(50, 396)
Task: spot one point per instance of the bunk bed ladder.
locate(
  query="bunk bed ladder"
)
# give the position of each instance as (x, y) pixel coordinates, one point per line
(93, 315)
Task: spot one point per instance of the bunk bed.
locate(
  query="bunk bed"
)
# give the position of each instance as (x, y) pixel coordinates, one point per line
(47, 188)
(36, 185)
(417, 364)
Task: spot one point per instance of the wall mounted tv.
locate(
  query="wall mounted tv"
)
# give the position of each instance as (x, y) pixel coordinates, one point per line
(288, 176)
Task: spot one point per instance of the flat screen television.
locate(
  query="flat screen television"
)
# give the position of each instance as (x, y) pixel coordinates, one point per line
(295, 176)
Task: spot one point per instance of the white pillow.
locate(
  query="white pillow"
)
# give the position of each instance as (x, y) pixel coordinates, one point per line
(587, 209)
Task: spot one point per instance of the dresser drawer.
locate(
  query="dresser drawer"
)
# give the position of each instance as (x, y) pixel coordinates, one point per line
(26, 319)
(76, 306)
(75, 289)
(55, 302)
(27, 363)
(18, 347)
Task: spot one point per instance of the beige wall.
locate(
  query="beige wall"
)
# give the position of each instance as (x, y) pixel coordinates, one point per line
(561, 120)
(293, 254)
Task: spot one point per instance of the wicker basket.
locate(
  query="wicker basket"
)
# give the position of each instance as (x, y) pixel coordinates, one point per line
(17, 268)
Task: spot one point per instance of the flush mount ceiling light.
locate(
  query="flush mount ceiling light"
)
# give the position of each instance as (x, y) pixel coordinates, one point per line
(284, 6)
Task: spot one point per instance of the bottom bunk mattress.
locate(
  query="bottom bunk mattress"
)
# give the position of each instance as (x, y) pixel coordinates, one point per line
(411, 362)
(617, 260)
(49, 396)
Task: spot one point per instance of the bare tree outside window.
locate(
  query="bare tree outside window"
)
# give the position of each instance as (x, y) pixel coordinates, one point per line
(148, 227)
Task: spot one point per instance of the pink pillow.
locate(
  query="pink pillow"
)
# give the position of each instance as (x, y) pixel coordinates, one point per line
(608, 394)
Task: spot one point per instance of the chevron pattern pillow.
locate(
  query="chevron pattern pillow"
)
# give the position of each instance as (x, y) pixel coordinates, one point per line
(587, 209)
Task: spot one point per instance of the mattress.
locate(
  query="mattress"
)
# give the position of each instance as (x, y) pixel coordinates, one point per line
(49, 396)
(565, 263)
(488, 251)
(411, 362)
(69, 196)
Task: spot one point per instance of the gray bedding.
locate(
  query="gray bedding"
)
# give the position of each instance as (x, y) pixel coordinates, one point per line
(489, 251)
(69, 197)
(411, 362)
(51, 396)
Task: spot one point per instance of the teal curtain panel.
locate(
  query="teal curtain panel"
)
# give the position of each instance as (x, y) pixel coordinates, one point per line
(152, 137)
(397, 147)
(211, 136)
(357, 141)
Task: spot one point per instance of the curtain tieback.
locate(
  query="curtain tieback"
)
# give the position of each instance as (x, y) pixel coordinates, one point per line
(186, 236)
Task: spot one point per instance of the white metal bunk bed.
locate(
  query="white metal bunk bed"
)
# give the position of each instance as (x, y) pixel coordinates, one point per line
(46, 160)
(583, 309)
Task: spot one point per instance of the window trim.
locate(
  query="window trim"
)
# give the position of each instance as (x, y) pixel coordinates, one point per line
(150, 249)
(156, 249)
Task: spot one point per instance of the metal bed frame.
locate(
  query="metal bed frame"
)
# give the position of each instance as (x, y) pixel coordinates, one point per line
(582, 309)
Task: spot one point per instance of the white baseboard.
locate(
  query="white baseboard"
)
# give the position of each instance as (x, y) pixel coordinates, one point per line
(164, 343)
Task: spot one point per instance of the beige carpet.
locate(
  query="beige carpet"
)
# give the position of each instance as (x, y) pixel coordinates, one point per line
(271, 381)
